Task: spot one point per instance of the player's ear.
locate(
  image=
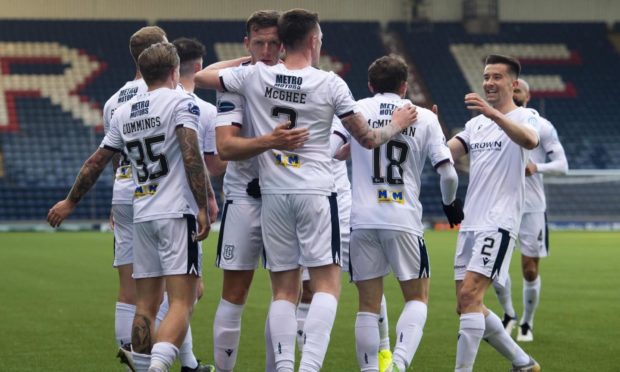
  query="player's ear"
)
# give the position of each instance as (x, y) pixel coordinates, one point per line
(403, 89)
(197, 66)
(370, 88)
(246, 42)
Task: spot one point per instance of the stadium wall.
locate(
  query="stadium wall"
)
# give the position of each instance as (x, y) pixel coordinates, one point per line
(362, 10)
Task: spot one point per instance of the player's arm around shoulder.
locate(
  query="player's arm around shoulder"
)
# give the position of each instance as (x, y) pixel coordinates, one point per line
(369, 138)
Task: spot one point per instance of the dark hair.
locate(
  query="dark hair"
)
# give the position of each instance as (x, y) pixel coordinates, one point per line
(294, 26)
(144, 38)
(514, 67)
(261, 19)
(156, 62)
(387, 73)
(189, 50)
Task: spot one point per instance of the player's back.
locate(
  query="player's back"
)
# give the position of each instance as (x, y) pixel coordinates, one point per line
(386, 180)
(535, 200)
(123, 184)
(308, 98)
(147, 125)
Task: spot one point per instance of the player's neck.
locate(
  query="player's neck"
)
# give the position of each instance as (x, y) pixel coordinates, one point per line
(138, 75)
(163, 84)
(505, 107)
(298, 60)
(188, 83)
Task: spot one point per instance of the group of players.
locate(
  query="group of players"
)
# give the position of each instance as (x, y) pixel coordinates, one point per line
(281, 132)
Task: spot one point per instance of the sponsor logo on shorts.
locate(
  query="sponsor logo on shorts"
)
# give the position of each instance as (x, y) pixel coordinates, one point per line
(287, 160)
(390, 196)
(485, 260)
(228, 252)
(146, 190)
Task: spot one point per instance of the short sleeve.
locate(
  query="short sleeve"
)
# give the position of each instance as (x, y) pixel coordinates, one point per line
(208, 120)
(549, 139)
(464, 135)
(230, 107)
(339, 130)
(113, 140)
(187, 113)
(232, 79)
(438, 150)
(344, 103)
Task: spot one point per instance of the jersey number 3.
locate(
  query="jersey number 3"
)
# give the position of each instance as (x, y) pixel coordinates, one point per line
(143, 172)
(396, 154)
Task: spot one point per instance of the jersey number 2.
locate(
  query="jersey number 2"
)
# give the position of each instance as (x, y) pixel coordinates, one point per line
(396, 153)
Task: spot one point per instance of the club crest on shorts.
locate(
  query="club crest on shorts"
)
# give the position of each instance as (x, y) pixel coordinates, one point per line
(228, 252)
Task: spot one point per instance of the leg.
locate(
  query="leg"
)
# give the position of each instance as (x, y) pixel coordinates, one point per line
(282, 321)
(367, 325)
(504, 295)
(470, 293)
(303, 306)
(227, 322)
(325, 281)
(411, 322)
(125, 305)
(531, 297)
(123, 261)
(181, 291)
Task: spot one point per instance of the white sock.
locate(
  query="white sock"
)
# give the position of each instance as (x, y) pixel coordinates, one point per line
(282, 324)
(317, 331)
(496, 336)
(186, 351)
(163, 356)
(270, 357)
(141, 361)
(226, 334)
(531, 296)
(163, 310)
(123, 321)
(367, 341)
(301, 314)
(384, 328)
(504, 295)
(409, 331)
(471, 330)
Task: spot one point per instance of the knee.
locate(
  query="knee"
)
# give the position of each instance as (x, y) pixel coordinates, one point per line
(237, 297)
(530, 274)
(466, 301)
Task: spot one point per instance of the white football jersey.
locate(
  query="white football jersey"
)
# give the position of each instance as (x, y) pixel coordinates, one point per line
(341, 173)
(386, 180)
(124, 187)
(206, 137)
(308, 98)
(496, 189)
(535, 200)
(231, 110)
(145, 128)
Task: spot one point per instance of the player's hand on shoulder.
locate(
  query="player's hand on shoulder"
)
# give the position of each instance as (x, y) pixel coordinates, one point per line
(59, 212)
(204, 226)
(474, 102)
(405, 116)
(286, 138)
(454, 212)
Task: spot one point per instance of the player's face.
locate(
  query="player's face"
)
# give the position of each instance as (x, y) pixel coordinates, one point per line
(264, 45)
(520, 96)
(498, 84)
(317, 43)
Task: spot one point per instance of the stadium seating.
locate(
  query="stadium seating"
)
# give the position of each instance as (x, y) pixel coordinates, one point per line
(60, 73)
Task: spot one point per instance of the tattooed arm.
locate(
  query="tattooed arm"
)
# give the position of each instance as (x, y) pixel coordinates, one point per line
(84, 181)
(196, 176)
(370, 138)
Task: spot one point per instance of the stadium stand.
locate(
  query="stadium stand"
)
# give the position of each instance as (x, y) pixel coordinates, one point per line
(58, 74)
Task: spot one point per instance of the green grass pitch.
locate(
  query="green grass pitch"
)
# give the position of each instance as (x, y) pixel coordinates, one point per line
(58, 293)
